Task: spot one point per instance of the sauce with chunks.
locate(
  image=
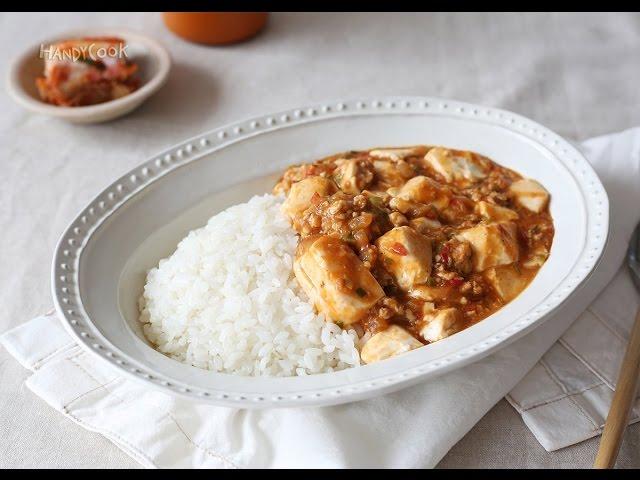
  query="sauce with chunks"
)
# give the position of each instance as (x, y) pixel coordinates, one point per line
(430, 240)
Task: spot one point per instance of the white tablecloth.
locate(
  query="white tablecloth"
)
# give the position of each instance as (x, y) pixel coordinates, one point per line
(574, 73)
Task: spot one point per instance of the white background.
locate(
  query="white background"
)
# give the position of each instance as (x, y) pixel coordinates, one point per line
(577, 74)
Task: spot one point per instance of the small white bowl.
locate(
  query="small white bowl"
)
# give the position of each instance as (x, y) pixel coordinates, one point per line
(152, 58)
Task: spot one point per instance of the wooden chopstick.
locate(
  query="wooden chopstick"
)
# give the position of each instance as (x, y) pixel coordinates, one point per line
(623, 399)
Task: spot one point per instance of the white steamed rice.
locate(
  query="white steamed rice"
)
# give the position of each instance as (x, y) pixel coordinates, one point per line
(227, 300)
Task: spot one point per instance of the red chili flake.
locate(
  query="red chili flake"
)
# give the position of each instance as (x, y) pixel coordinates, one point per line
(398, 248)
(444, 254)
(455, 282)
(316, 198)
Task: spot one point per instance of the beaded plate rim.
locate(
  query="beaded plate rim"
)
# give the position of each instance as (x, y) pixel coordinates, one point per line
(65, 283)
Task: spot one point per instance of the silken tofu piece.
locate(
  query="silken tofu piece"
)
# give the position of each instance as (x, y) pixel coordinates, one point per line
(425, 190)
(440, 323)
(299, 198)
(406, 254)
(388, 343)
(493, 244)
(455, 165)
(335, 279)
(507, 281)
(494, 212)
(424, 224)
(392, 172)
(529, 194)
(396, 153)
(352, 176)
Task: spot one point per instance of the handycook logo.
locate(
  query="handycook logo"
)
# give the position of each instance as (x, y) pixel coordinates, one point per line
(83, 51)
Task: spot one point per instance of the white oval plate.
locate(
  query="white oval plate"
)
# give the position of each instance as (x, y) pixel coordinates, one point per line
(101, 260)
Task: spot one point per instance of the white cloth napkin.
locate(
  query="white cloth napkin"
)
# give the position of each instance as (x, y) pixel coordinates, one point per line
(563, 399)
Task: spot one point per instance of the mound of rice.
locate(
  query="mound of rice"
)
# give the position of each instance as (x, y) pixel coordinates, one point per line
(227, 300)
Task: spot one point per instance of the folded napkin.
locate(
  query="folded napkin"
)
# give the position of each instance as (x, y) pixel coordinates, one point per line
(563, 398)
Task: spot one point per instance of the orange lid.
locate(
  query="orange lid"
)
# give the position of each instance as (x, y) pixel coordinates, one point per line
(215, 28)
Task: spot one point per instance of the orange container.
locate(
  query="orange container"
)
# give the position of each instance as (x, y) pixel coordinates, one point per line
(215, 28)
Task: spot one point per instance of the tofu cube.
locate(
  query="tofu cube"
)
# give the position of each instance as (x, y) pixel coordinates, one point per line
(529, 194)
(351, 176)
(507, 281)
(455, 165)
(424, 224)
(494, 212)
(406, 254)
(392, 172)
(396, 153)
(493, 244)
(388, 343)
(425, 190)
(335, 279)
(299, 198)
(441, 323)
